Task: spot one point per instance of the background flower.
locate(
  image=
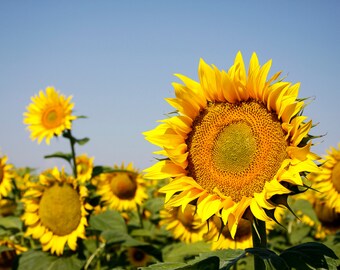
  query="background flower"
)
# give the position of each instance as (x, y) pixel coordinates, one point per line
(49, 114)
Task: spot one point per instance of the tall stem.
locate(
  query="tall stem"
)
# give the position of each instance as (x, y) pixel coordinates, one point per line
(259, 234)
(72, 142)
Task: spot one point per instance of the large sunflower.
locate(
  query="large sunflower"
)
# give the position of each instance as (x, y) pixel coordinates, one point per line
(48, 115)
(183, 223)
(327, 181)
(239, 141)
(122, 190)
(55, 211)
(6, 175)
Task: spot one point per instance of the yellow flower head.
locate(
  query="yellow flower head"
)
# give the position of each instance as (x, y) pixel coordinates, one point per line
(55, 211)
(183, 223)
(84, 168)
(6, 175)
(327, 181)
(220, 238)
(48, 115)
(239, 141)
(122, 190)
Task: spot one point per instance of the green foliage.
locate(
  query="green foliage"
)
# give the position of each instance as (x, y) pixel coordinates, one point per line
(39, 260)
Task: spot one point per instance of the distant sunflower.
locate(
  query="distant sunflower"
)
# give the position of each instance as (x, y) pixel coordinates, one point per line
(328, 217)
(84, 167)
(220, 238)
(327, 181)
(239, 141)
(8, 252)
(137, 257)
(6, 175)
(55, 211)
(122, 190)
(48, 115)
(183, 223)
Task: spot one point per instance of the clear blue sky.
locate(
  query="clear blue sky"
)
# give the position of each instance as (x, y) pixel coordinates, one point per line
(117, 59)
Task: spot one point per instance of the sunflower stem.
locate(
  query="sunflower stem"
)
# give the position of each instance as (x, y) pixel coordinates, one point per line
(140, 216)
(72, 142)
(259, 235)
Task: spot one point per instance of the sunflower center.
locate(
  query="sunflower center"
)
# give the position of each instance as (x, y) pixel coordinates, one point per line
(124, 185)
(335, 176)
(52, 117)
(60, 209)
(138, 255)
(235, 148)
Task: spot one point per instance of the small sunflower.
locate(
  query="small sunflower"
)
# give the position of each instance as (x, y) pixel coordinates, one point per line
(9, 253)
(6, 175)
(137, 257)
(328, 217)
(84, 168)
(48, 115)
(239, 141)
(220, 238)
(327, 181)
(122, 190)
(183, 223)
(55, 211)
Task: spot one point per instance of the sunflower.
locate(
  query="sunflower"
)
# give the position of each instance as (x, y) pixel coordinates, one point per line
(327, 181)
(183, 223)
(6, 175)
(238, 142)
(122, 189)
(137, 257)
(55, 211)
(84, 167)
(8, 252)
(48, 115)
(220, 238)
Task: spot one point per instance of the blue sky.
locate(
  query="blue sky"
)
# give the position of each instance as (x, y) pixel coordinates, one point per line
(117, 59)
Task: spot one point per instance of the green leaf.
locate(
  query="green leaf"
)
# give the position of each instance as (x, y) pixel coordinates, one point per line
(39, 260)
(82, 141)
(308, 256)
(210, 263)
(11, 222)
(108, 220)
(269, 257)
(165, 266)
(82, 117)
(299, 233)
(225, 255)
(181, 252)
(66, 156)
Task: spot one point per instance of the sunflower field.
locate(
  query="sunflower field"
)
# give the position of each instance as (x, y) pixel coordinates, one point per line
(235, 185)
